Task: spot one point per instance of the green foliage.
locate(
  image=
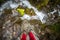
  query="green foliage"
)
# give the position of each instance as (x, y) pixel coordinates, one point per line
(43, 3)
(1, 1)
(55, 27)
(39, 4)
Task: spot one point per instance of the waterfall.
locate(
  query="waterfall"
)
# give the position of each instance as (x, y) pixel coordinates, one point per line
(39, 14)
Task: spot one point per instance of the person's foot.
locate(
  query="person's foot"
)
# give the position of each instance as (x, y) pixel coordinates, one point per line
(31, 36)
(24, 35)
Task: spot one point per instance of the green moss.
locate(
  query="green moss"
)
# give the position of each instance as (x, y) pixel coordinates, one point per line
(1, 1)
(39, 4)
(56, 27)
(29, 11)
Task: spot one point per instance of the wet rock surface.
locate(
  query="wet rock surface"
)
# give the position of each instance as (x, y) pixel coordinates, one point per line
(12, 25)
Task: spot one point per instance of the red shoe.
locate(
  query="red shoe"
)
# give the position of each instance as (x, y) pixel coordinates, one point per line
(31, 35)
(24, 36)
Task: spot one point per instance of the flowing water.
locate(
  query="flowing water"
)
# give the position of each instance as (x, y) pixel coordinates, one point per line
(39, 14)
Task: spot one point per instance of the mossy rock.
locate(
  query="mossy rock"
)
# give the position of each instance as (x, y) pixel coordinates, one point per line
(21, 7)
(37, 25)
(56, 27)
(19, 21)
(30, 12)
(27, 10)
(39, 4)
(34, 22)
(7, 11)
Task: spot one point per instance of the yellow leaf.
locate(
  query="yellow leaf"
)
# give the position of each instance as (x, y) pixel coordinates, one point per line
(21, 11)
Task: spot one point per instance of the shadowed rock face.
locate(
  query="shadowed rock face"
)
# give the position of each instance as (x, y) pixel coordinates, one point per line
(3, 1)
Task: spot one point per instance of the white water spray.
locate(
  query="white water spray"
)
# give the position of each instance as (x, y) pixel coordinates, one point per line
(40, 14)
